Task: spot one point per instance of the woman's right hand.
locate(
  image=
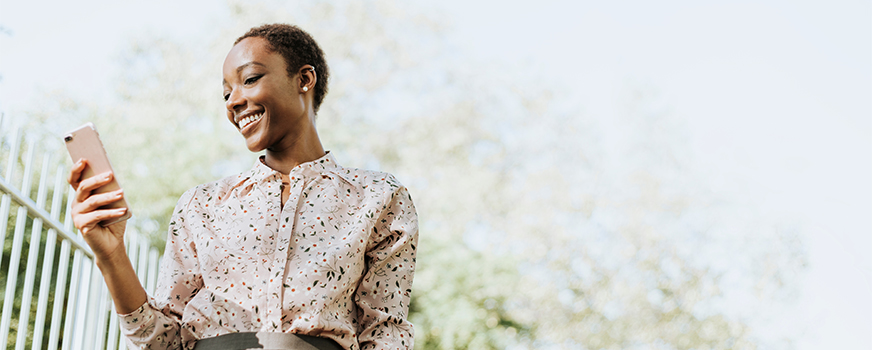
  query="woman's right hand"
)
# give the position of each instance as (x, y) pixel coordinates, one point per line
(106, 242)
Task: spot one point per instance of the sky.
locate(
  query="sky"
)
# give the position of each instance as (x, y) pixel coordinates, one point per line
(777, 96)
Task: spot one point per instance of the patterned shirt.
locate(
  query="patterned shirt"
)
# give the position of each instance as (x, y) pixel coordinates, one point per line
(336, 261)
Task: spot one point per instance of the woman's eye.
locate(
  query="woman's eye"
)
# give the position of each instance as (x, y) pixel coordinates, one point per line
(226, 97)
(253, 79)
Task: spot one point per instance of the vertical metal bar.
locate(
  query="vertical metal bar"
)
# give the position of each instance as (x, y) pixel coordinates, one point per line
(72, 301)
(112, 342)
(32, 258)
(61, 282)
(48, 263)
(57, 310)
(90, 297)
(121, 339)
(133, 249)
(73, 339)
(6, 201)
(143, 260)
(153, 263)
(102, 308)
(15, 257)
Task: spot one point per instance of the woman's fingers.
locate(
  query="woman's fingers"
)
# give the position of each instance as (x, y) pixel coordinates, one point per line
(87, 221)
(76, 173)
(98, 200)
(86, 186)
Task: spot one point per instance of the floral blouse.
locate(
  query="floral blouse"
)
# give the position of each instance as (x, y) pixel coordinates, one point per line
(336, 261)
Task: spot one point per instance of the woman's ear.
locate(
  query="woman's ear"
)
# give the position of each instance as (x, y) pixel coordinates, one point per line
(308, 77)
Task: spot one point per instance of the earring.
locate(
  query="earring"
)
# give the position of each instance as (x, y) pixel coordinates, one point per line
(305, 88)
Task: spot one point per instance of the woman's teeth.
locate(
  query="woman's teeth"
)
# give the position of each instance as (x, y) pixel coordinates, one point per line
(248, 120)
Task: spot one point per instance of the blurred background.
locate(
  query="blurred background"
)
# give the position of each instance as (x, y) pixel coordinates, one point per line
(617, 175)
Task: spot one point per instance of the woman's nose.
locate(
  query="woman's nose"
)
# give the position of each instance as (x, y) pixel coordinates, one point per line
(235, 102)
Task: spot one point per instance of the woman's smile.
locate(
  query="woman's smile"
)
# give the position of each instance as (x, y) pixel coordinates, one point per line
(250, 120)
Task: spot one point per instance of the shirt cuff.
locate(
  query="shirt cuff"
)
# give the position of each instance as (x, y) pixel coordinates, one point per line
(136, 319)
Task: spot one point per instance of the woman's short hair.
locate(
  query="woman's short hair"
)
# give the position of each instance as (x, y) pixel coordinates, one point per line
(298, 48)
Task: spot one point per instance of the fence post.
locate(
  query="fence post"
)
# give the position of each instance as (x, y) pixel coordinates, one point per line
(32, 257)
(48, 263)
(61, 282)
(6, 202)
(15, 256)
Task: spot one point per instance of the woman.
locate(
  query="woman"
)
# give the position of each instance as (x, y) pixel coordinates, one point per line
(296, 253)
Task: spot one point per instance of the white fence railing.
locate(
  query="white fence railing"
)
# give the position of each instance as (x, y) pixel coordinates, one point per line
(52, 298)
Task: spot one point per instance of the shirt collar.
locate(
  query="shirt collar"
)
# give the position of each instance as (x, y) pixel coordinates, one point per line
(261, 172)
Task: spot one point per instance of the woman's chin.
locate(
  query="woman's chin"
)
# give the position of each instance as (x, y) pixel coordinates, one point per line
(254, 146)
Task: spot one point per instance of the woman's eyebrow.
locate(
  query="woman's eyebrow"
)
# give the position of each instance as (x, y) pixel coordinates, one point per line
(240, 68)
(252, 63)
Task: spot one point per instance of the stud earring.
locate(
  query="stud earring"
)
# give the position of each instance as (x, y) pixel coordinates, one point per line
(305, 88)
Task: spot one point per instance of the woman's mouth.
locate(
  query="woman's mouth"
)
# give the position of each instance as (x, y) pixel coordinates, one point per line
(248, 120)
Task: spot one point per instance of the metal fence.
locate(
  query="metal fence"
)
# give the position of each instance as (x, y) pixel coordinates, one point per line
(54, 298)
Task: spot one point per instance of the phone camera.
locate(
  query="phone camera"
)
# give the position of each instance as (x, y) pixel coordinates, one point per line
(68, 138)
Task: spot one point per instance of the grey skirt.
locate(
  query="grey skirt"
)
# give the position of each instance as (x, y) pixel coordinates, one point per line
(265, 340)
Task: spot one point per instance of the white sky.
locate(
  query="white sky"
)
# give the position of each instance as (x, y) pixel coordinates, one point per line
(777, 94)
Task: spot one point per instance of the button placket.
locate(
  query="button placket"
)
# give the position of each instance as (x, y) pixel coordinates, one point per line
(277, 271)
(266, 255)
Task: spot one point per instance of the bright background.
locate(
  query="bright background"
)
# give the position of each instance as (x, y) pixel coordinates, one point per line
(777, 97)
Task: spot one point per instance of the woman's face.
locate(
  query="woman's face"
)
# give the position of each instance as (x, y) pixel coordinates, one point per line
(263, 102)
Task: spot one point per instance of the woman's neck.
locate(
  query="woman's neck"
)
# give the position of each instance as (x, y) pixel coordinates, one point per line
(306, 147)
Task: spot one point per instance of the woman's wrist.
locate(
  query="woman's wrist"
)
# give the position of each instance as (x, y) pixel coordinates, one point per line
(121, 280)
(114, 260)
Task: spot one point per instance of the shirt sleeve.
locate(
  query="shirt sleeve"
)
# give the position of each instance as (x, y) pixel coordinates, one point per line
(157, 323)
(385, 290)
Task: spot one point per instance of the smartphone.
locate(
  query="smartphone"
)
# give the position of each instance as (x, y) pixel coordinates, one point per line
(84, 142)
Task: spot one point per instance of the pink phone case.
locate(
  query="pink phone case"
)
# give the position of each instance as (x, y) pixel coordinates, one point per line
(84, 142)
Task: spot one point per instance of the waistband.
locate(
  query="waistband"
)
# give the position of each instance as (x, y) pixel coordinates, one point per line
(266, 340)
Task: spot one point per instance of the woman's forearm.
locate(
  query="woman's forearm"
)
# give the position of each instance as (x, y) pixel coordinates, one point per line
(124, 286)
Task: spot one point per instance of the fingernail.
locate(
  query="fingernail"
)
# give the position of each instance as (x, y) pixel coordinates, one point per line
(107, 176)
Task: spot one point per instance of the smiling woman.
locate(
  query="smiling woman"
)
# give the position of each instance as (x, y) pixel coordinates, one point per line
(271, 107)
(296, 253)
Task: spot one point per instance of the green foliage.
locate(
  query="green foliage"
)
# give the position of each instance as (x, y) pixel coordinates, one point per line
(461, 299)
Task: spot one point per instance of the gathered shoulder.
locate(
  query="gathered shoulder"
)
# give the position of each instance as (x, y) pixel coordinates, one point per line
(371, 181)
(212, 191)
